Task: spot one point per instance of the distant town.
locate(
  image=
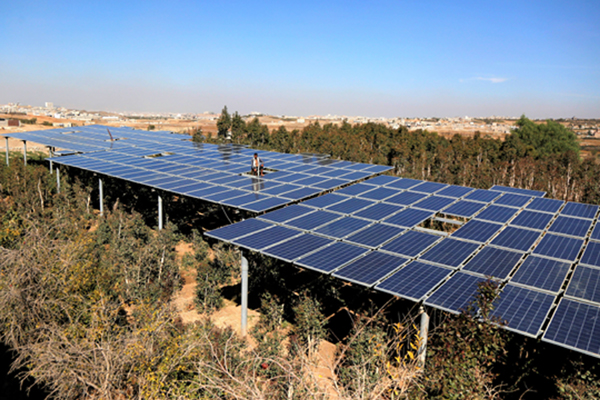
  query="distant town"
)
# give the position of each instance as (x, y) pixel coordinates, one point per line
(18, 117)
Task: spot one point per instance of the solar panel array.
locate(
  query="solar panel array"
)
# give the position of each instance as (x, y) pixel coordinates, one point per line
(544, 253)
(210, 172)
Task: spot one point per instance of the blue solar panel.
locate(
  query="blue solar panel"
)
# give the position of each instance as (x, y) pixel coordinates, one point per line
(279, 189)
(297, 247)
(355, 189)
(404, 183)
(497, 214)
(406, 198)
(375, 235)
(571, 226)
(542, 273)
(429, 187)
(411, 244)
(450, 252)
(331, 257)
(585, 284)
(351, 205)
(482, 195)
(580, 210)
(265, 238)
(494, 262)
(512, 200)
(228, 194)
(292, 178)
(563, 248)
(516, 238)
(532, 220)
(245, 199)
(575, 325)
(311, 180)
(300, 193)
(343, 227)
(523, 310)
(240, 229)
(264, 205)
(325, 200)
(379, 193)
(330, 184)
(596, 232)
(591, 255)
(455, 191)
(369, 269)
(313, 220)
(455, 294)
(354, 176)
(478, 231)
(408, 217)
(525, 192)
(382, 180)
(414, 281)
(378, 211)
(434, 203)
(202, 193)
(464, 208)
(547, 205)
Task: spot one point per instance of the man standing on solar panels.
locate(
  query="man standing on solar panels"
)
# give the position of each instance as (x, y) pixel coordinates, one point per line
(257, 166)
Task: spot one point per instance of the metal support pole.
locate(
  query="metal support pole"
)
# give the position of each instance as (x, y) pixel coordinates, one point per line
(423, 337)
(244, 295)
(100, 189)
(57, 180)
(160, 213)
(51, 155)
(7, 163)
(25, 152)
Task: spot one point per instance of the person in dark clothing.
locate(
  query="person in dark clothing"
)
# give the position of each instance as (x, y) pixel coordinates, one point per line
(257, 166)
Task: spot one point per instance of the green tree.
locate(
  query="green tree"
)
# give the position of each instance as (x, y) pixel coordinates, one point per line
(223, 123)
(238, 128)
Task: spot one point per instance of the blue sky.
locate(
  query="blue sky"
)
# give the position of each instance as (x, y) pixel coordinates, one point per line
(378, 59)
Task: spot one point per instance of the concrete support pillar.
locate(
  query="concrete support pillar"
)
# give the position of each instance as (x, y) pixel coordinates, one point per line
(160, 213)
(423, 337)
(57, 180)
(51, 155)
(7, 156)
(25, 152)
(101, 195)
(244, 295)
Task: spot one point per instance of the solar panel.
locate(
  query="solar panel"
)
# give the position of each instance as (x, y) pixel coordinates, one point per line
(230, 232)
(378, 211)
(406, 198)
(585, 284)
(300, 193)
(280, 189)
(411, 244)
(450, 252)
(343, 227)
(596, 232)
(245, 199)
(434, 203)
(516, 238)
(375, 235)
(491, 261)
(369, 269)
(482, 195)
(532, 220)
(228, 194)
(563, 248)
(580, 210)
(464, 208)
(330, 184)
(455, 191)
(591, 255)
(523, 310)
(265, 238)
(381, 180)
(264, 205)
(429, 187)
(571, 226)
(408, 218)
(325, 200)
(355, 189)
(497, 214)
(313, 220)
(349, 206)
(575, 325)
(542, 273)
(477, 231)
(331, 257)
(414, 281)
(525, 192)
(547, 205)
(379, 193)
(513, 200)
(404, 183)
(455, 294)
(297, 247)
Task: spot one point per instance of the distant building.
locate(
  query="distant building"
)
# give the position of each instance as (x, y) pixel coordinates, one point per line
(49, 104)
(10, 122)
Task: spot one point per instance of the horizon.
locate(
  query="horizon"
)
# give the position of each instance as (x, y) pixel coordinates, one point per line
(539, 59)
